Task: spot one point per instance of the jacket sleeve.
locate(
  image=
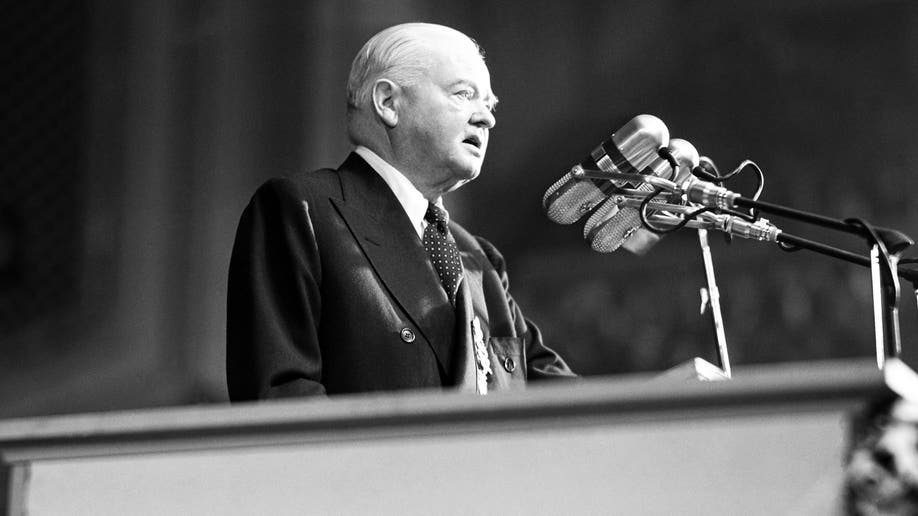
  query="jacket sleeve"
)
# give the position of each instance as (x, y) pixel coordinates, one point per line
(273, 298)
(542, 362)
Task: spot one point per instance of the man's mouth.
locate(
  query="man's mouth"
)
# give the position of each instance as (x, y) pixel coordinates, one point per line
(473, 140)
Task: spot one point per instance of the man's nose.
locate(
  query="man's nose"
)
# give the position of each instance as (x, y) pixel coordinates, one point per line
(483, 117)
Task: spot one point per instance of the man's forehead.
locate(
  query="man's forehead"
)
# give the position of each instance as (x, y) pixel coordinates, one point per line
(459, 48)
(450, 43)
(465, 62)
(456, 59)
(437, 36)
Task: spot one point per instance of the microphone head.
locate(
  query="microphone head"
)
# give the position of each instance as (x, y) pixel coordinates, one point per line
(636, 145)
(569, 199)
(607, 230)
(605, 211)
(629, 150)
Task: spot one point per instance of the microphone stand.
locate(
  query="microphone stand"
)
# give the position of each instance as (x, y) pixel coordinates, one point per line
(712, 299)
(887, 243)
(698, 368)
(884, 242)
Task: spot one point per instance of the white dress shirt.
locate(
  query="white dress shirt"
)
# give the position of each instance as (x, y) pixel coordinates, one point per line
(411, 199)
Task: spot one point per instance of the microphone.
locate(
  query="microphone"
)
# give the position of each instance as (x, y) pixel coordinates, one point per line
(706, 193)
(629, 150)
(643, 239)
(709, 194)
(762, 229)
(612, 226)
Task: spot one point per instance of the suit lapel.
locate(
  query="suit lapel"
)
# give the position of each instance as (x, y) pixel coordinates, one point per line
(384, 233)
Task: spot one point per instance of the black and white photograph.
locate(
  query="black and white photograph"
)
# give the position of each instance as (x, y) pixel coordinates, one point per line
(416, 257)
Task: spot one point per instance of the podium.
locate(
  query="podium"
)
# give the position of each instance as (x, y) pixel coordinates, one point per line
(770, 441)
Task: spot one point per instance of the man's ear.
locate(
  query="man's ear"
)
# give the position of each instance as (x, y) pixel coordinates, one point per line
(386, 97)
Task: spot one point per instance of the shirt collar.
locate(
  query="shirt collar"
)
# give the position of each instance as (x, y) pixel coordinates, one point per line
(411, 199)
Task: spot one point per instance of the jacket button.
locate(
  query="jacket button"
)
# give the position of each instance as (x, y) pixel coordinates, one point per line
(509, 364)
(407, 335)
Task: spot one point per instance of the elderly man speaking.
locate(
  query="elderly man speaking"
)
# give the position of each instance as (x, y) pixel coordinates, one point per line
(355, 279)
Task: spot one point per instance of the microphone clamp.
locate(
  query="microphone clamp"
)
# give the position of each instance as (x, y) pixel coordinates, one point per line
(761, 230)
(710, 195)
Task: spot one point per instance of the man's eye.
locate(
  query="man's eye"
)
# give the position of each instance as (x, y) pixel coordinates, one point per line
(466, 94)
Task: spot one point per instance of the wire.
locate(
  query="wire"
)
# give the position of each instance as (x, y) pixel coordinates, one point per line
(703, 171)
(666, 154)
(662, 231)
(742, 166)
(643, 213)
(704, 168)
(759, 174)
(760, 183)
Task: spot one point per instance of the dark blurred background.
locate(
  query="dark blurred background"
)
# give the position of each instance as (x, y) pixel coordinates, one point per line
(136, 132)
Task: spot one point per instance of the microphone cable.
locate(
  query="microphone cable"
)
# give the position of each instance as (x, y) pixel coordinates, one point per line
(668, 156)
(707, 171)
(703, 172)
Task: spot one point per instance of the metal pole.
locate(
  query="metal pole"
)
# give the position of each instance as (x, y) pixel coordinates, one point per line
(713, 295)
(885, 308)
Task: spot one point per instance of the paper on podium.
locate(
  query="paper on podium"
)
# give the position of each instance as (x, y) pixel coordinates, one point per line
(694, 369)
(901, 379)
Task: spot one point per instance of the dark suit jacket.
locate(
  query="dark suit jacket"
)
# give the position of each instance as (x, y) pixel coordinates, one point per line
(331, 291)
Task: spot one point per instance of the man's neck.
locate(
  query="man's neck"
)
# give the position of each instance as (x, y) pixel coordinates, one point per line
(417, 179)
(412, 200)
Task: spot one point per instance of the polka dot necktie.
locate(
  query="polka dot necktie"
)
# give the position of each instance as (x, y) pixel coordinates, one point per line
(441, 247)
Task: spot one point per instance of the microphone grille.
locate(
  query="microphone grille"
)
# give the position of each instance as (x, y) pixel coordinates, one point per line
(567, 200)
(605, 211)
(610, 234)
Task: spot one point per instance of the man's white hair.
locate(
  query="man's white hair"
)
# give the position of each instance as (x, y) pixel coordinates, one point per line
(399, 53)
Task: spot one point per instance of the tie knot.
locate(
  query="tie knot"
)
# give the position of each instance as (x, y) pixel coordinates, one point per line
(436, 215)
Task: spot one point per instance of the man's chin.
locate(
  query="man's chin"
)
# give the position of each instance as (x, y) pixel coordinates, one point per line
(462, 181)
(469, 174)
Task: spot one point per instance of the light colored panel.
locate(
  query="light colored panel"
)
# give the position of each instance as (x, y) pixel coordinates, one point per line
(743, 465)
